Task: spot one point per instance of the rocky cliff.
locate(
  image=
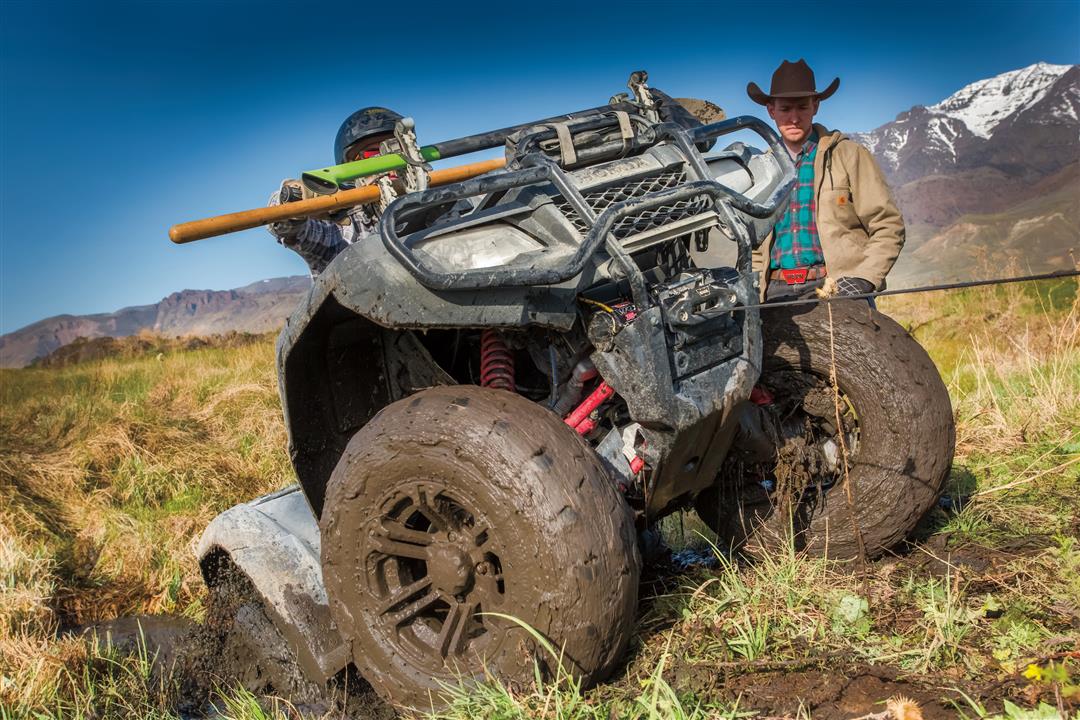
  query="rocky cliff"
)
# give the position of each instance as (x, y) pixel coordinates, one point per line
(256, 308)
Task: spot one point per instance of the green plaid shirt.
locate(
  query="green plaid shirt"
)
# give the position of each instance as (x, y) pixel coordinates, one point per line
(797, 243)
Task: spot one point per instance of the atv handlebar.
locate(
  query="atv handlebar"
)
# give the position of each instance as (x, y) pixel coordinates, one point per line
(783, 159)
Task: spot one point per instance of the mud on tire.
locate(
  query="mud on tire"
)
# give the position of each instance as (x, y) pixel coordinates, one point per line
(906, 435)
(460, 502)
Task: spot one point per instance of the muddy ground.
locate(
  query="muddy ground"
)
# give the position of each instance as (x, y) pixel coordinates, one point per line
(832, 692)
(202, 657)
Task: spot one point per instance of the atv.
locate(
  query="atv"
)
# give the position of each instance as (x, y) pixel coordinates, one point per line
(490, 405)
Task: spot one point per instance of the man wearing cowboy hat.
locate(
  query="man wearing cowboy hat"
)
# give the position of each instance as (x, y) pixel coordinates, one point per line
(842, 221)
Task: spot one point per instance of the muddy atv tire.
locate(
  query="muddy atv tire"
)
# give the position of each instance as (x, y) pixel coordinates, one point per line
(901, 437)
(460, 505)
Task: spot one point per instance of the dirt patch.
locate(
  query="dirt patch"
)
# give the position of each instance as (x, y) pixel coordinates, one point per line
(979, 567)
(832, 692)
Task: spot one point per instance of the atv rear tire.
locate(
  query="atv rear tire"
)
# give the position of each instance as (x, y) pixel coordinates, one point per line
(460, 502)
(905, 440)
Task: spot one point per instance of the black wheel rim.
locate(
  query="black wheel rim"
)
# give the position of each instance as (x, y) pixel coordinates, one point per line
(433, 569)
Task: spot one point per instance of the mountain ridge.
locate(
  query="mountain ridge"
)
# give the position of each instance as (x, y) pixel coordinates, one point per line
(971, 165)
(255, 308)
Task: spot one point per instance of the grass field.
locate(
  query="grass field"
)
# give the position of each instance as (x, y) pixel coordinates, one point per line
(110, 469)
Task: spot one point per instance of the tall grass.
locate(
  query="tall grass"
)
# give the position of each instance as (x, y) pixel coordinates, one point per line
(1011, 359)
(110, 470)
(108, 473)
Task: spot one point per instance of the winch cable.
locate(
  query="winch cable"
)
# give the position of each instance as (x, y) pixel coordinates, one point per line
(907, 291)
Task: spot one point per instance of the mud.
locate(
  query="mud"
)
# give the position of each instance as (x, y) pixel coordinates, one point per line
(236, 646)
(198, 657)
(160, 638)
(834, 693)
(705, 111)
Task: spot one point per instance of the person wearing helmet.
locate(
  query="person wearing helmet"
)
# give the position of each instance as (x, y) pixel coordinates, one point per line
(319, 241)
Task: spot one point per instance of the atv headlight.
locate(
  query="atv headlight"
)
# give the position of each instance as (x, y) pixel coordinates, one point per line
(484, 246)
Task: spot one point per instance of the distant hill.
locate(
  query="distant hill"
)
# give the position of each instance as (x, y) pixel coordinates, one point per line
(988, 176)
(257, 308)
(1036, 235)
(83, 349)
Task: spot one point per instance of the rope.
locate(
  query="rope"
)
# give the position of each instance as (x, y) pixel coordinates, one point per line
(907, 291)
(826, 291)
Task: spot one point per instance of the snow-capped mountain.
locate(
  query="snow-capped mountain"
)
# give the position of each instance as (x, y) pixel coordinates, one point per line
(1025, 122)
(988, 177)
(983, 105)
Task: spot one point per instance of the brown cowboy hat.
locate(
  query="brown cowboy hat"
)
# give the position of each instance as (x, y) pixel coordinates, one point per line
(791, 80)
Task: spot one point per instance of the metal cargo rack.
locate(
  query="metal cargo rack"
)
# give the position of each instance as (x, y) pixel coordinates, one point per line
(606, 217)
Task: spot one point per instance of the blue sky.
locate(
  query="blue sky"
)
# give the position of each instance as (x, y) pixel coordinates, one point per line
(119, 119)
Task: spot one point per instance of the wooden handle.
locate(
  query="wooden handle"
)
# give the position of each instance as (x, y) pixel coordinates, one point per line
(247, 219)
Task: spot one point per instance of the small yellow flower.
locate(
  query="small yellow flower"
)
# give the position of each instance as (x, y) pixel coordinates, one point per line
(1034, 672)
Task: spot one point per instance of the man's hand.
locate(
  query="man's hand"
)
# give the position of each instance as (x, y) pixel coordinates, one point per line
(853, 286)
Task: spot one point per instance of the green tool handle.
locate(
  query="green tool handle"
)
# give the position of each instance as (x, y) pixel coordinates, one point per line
(328, 180)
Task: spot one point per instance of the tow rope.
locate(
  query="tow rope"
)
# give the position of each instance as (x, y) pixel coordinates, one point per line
(906, 291)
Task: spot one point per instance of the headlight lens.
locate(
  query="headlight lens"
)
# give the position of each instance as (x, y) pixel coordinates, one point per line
(489, 245)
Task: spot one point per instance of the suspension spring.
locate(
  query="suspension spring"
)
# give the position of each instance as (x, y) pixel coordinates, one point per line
(496, 361)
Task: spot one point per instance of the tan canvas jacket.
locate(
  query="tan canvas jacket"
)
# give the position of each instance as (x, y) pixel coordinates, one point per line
(861, 229)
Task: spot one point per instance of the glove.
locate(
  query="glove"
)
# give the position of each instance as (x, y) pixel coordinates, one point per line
(853, 286)
(290, 191)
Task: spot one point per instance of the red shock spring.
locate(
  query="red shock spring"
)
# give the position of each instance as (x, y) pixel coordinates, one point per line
(496, 362)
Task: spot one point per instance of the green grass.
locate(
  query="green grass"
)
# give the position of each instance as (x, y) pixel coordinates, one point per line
(109, 471)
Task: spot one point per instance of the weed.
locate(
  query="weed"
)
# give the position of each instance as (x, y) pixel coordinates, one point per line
(240, 704)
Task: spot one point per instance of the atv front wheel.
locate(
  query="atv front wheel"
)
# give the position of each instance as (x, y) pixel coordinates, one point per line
(456, 509)
(897, 429)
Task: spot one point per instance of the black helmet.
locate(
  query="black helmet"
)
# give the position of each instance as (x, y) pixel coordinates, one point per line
(362, 124)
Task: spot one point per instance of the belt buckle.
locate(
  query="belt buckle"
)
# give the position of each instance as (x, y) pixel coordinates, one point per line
(795, 276)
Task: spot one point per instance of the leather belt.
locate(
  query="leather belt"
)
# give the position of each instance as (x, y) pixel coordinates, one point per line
(798, 276)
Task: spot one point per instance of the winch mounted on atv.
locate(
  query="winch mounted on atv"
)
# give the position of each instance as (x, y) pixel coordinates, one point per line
(489, 402)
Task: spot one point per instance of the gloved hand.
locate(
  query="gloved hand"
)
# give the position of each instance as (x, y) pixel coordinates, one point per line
(853, 286)
(290, 191)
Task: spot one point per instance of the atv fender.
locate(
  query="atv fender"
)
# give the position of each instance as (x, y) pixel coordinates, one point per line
(274, 541)
(350, 349)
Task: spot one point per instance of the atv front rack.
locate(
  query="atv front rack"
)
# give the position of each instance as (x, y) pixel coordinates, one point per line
(537, 168)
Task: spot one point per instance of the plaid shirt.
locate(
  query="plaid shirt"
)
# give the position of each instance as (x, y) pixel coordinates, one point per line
(797, 243)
